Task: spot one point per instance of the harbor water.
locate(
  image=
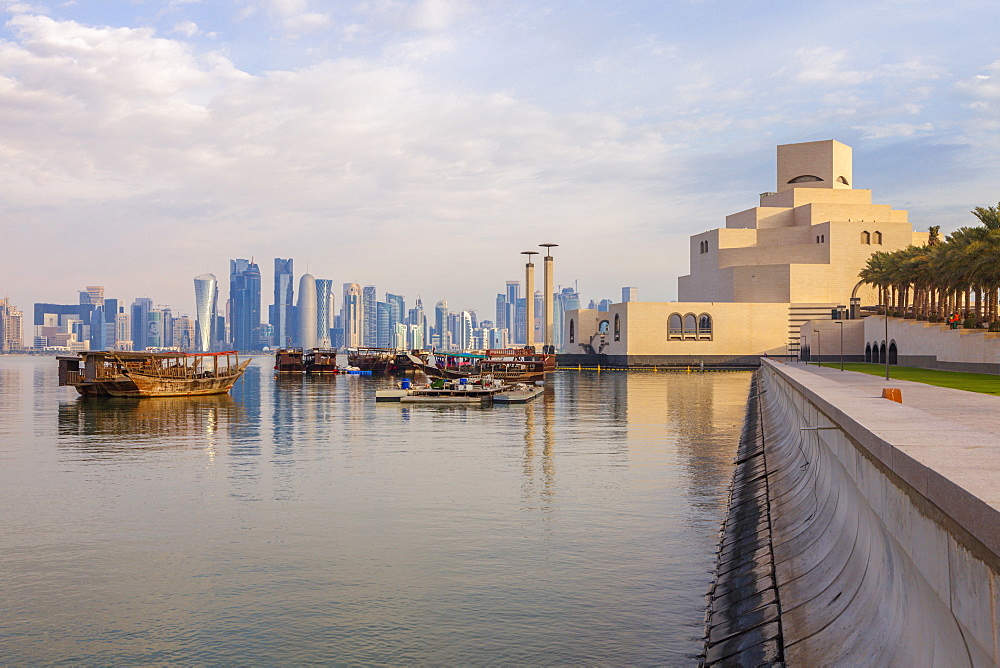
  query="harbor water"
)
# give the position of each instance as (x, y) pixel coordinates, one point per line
(298, 521)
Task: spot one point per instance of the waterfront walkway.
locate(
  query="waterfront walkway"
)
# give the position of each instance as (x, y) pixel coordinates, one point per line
(954, 432)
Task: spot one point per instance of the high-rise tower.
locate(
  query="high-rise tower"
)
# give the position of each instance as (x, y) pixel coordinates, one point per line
(206, 297)
(244, 304)
(306, 312)
(324, 312)
(351, 315)
(282, 310)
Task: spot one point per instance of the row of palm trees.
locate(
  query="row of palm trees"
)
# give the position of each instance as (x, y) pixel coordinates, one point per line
(958, 274)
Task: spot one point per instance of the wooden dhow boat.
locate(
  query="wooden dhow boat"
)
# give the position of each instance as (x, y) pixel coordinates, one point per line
(512, 365)
(110, 373)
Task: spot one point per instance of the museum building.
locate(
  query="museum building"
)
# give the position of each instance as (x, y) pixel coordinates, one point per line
(753, 283)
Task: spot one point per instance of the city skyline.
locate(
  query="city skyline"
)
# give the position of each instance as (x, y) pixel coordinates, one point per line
(234, 320)
(412, 146)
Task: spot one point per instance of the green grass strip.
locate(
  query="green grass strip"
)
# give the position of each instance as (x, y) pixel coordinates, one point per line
(984, 383)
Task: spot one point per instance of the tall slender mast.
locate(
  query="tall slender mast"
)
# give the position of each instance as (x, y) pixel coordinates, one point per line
(547, 278)
(529, 300)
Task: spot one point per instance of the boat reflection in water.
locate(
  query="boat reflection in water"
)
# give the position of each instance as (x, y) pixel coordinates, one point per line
(121, 423)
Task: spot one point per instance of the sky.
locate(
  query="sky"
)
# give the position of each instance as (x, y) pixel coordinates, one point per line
(421, 145)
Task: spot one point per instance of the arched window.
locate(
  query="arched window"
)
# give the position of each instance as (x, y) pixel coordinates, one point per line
(822, 238)
(877, 238)
(893, 353)
(868, 352)
(817, 238)
(572, 330)
(618, 328)
(866, 237)
(674, 327)
(690, 326)
(805, 178)
(604, 327)
(704, 326)
(841, 179)
(881, 353)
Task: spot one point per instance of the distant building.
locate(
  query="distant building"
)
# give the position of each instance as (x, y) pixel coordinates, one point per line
(369, 316)
(352, 315)
(206, 297)
(281, 311)
(384, 329)
(630, 295)
(140, 321)
(441, 333)
(11, 326)
(66, 326)
(244, 304)
(306, 313)
(324, 312)
(567, 299)
(183, 333)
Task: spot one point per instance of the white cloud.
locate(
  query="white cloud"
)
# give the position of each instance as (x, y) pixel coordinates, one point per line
(136, 133)
(186, 28)
(295, 16)
(895, 130)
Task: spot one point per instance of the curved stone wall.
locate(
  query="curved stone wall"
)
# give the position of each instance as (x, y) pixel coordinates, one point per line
(868, 571)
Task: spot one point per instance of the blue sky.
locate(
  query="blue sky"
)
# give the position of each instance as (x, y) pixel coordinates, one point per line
(421, 145)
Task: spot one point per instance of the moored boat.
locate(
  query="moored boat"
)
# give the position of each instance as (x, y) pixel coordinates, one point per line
(321, 360)
(513, 365)
(289, 360)
(519, 394)
(139, 374)
(478, 390)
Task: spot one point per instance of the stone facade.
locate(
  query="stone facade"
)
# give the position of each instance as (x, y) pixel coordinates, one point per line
(794, 258)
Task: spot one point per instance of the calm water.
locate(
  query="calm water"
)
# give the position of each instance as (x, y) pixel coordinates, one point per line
(297, 521)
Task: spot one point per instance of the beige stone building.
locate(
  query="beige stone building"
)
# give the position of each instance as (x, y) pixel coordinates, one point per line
(752, 284)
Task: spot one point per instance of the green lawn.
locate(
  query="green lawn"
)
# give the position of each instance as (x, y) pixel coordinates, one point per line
(971, 382)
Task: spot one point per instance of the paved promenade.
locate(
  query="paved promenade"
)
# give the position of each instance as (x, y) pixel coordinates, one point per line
(954, 432)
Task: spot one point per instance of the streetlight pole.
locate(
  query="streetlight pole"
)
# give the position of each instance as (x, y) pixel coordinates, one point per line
(841, 323)
(818, 362)
(887, 342)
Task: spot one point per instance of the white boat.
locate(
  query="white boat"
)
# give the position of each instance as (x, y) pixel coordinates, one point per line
(519, 394)
(440, 391)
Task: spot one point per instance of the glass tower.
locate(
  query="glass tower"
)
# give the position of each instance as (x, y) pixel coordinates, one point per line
(281, 315)
(244, 300)
(206, 297)
(324, 312)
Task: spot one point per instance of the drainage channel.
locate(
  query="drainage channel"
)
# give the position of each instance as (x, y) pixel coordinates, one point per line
(743, 617)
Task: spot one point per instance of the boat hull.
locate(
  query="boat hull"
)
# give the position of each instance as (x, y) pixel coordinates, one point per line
(152, 386)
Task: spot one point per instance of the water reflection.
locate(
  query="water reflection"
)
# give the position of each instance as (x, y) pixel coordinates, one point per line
(109, 425)
(538, 487)
(299, 520)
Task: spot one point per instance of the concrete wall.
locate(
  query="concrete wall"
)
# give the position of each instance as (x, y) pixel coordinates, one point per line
(936, 346)
(884, 554)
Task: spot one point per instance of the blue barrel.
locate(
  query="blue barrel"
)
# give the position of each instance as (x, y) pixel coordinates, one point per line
(405, 383)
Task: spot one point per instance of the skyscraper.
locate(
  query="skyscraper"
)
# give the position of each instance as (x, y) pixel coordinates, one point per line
(369, 333)
(324, 312)
(567, 299)
(140, 321)
(281, 311)
(441, 324)
(351, 315)
(630, 294)
(11, 326)
(244, 304)
(306, 312)
(206, 296)
(384, 329)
